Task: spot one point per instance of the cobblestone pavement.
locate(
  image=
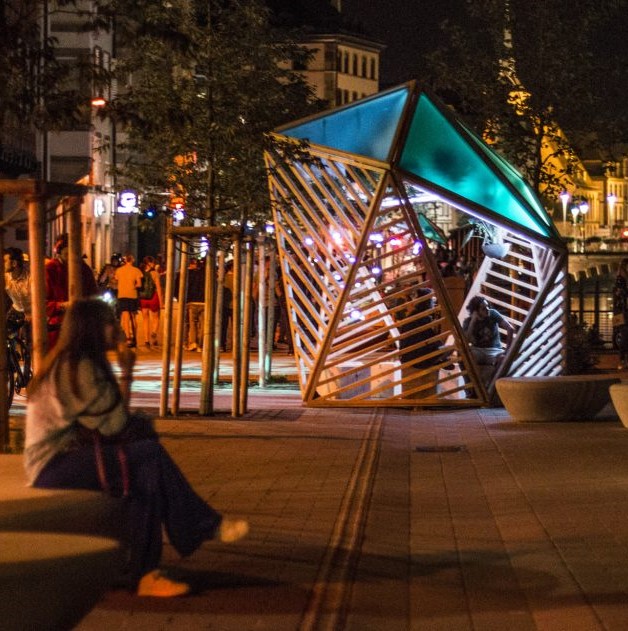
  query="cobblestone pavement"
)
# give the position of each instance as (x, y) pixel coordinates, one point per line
(395, 519)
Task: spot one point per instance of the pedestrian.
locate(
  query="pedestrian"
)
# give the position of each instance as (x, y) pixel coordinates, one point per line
(151, 299)
(128, 280)
(77, 414)
(195, 304)
(227, 305)
(57, 289)
(107, 276)
(17, 283)
(620, 314)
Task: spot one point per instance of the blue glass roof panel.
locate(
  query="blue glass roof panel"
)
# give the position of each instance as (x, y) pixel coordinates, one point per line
(367, 128)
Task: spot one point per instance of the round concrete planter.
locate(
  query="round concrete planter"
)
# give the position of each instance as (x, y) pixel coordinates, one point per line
(563, 398)
(51, 580)
(619, 397)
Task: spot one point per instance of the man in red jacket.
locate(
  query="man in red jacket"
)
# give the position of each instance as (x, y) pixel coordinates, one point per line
(57, 293)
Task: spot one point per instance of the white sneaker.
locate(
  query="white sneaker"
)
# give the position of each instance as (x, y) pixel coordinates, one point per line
(157, 585)
(233, 529)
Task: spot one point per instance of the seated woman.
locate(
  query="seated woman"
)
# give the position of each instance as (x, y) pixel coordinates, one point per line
(76, 417)
(482, 330)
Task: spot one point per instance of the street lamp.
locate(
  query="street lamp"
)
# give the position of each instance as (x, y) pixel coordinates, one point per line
(584, 209)
(564, 198)
(611, 199)
(575, 211)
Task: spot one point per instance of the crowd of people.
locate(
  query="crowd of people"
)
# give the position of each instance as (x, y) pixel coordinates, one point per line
(129, 288)
(137, 295)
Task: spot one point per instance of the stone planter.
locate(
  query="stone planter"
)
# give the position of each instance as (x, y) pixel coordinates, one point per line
(619, 397)
(563, 398)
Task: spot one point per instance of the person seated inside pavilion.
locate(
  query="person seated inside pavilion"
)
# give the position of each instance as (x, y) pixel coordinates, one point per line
(481, 328)
(418, 344)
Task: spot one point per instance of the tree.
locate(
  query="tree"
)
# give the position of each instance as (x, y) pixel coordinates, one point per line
(529, 76)
(37, 88)
(209, 80)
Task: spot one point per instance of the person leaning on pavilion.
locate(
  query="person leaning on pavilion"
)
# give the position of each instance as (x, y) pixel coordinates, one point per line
(481, 328)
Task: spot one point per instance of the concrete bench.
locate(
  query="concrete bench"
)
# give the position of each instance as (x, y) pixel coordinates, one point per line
(59, 551)
(562, 398)
(619, 397)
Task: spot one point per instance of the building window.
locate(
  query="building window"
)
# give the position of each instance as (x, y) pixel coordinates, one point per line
(354, 96)
(373, 68)
(101, 62)
(355, 65)
(345, 64)
(364, 66)
(330, 59)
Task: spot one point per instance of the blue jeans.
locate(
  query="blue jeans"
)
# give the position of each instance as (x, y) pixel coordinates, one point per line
(159, 495)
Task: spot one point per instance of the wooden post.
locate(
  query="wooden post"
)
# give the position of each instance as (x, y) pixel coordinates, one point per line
(261, 313)
(237, 337)
(220, 297)
(246, 326)
(271, 324)
(167, 332)
(178, 337)
(36, 243)
(208, 358)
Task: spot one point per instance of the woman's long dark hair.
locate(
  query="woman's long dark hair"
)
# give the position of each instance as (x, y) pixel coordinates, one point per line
(82, 336)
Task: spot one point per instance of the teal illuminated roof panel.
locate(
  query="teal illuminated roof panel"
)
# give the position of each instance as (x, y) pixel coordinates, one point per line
(431, 230)
(514, 177)
(367, 128)
(437, 152)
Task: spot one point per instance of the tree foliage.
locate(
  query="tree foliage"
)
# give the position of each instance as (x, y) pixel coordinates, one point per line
(38, 87)
(535, 77)
(200, 85)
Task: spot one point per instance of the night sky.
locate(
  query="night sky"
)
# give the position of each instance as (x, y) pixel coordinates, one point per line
(407, 27)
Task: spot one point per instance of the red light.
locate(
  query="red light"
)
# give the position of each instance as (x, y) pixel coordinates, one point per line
(98, 101)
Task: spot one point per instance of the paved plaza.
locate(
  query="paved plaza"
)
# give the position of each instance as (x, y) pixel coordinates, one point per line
(397, 519)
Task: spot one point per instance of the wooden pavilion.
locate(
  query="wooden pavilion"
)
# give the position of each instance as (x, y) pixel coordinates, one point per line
(357, 253)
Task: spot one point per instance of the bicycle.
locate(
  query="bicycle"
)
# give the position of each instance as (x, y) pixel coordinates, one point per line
(19, 366)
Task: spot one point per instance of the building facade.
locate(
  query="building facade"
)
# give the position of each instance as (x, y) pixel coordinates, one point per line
(85, 153)
(343, 68)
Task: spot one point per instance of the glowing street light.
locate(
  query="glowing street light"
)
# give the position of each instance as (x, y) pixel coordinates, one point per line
(564, 198)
